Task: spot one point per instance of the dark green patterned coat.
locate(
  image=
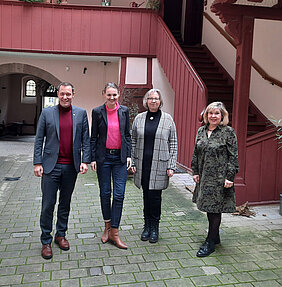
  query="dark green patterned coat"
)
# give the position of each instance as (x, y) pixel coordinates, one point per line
(214, 160)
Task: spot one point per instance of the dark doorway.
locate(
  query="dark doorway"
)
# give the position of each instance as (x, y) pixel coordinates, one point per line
(173, 14)
(193, 22)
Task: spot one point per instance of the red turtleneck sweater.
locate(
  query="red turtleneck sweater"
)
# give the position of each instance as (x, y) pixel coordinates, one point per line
(65, 154)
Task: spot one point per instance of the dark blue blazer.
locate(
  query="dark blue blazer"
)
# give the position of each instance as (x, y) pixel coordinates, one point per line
(99, 133)
(48, 135)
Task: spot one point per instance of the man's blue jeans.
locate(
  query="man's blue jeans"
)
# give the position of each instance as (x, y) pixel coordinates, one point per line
(62, 178)
(112, 168)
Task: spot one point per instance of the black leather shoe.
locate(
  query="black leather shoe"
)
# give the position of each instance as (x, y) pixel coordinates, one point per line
(154, 235)
(146, 231)
(206, 249)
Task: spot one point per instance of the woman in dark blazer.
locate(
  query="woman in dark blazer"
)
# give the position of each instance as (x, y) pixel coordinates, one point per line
(110, 157)
(154, 153)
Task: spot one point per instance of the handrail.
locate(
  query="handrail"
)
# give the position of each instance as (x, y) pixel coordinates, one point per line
(185, 59)
(255, 65)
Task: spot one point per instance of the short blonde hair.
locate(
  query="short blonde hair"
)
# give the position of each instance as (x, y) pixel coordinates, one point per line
(147, 95)
(223, 111)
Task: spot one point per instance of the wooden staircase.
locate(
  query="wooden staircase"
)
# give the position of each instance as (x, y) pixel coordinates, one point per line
(220, 84)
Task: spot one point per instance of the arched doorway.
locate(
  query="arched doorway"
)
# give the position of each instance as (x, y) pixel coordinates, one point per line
(23, 88)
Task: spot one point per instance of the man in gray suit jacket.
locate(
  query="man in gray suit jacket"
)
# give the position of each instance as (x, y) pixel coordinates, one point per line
(62, 134)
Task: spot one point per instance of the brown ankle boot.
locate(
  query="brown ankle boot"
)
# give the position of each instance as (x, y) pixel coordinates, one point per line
(105, 236)
(113, 235)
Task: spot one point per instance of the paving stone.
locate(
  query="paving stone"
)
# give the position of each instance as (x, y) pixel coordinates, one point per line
(7, 270)
(121, 278)
(147, 266)
(183, 282)
(209, 280)
(156, 284)
(108, 270)
(36, 277)
(227, 278)
(78, 273)
(133, 285)
(143, 276)
(95, 271)
(246, 266)
(168, 264)
(244, 285)
(11, 279)
(270, 283)
(70, 283)
(210, 270)
(165, 274)
(29, 268)
(85, 235)
(126, 268)
(21, 234)
(263, 275)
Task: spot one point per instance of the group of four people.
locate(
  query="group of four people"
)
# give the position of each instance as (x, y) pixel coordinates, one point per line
(150, 152)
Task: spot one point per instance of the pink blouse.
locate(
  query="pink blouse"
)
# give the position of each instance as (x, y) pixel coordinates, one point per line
(113, 133)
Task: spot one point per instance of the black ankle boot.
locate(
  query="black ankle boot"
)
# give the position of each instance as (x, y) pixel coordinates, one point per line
(146, 231)
(206, 249)
(154, 236)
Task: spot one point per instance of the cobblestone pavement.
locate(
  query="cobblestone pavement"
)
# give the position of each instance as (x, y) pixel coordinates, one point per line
(250, 253)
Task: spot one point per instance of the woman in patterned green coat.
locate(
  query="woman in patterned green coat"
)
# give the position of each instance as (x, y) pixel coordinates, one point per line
(214, 165)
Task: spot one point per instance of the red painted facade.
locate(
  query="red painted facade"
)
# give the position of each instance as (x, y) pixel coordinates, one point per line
(77, 29)
(124, 32)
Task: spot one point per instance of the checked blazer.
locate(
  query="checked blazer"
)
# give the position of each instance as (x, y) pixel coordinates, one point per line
(164, 154)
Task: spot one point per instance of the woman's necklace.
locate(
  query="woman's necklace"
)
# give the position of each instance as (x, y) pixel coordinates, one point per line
(151, 118)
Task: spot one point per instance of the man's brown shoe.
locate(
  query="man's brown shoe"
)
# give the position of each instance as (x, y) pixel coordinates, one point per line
(46, 251)
(62, 242)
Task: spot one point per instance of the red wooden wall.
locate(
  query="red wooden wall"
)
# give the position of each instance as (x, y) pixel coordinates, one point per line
(263, 176)
(77, 29)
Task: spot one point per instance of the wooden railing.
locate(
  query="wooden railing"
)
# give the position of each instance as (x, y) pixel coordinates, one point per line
(190, 91)
(77, 29)
(255, 65)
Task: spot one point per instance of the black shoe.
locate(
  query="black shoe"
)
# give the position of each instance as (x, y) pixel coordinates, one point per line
(206, 249)
(154, 236)
(146, 231)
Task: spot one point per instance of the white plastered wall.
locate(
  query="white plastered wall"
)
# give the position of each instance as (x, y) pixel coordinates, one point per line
(160, 82)
(88, 85)
(267, 52)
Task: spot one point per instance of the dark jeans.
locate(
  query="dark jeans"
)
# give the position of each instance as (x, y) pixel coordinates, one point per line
(152, 200)
(112, 168)
(62, 178)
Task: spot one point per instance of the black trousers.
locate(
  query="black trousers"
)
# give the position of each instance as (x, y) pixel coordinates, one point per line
(152, 200)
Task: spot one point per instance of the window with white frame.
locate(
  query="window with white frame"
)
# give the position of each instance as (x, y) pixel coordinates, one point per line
(30, 88)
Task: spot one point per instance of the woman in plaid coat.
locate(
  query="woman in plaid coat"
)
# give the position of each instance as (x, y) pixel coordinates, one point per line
(154, 153)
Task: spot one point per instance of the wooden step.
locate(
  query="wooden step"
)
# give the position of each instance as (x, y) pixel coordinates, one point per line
(209, 71)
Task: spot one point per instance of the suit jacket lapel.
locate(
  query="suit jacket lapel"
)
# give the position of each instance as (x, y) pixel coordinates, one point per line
(104, 114)
(73, 123)
(57, 120)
